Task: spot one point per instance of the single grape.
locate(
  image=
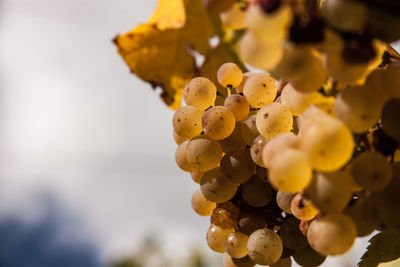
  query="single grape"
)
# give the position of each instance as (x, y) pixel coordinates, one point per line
(290, 171)
(332, 234)
(284, 201)
(256, 150)
(238, 105)
(201, 205)
(256, 193)
(291, 235)
(283, 262)
(307, 257)
(180, 157)
(278, 144)
(225, 215)
(229, 74)
(246, 75)
(249, 129)
(236, 245)
(203, 153)
(330, 192)
(371, 171)
(200, 92)
(216, 238)
(260, 89)
(264, 247)
(218, 122)
(187, 121)
(237, 166)
(302, 208)
(216, 187)
(390, 119)
(196, 176)
(273, 119)
(179, 139)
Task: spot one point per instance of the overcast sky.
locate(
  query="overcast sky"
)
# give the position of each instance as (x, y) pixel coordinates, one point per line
(75, 125)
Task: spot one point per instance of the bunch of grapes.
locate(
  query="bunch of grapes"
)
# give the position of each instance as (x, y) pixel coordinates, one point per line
(285, 173)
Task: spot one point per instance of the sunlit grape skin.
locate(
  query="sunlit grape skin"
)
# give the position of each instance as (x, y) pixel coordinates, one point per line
(229, 74)
(180, 157)
(200, 92)
(264, 247)
(203, 153)
(238, 105)
(218, 122)
(302, 208)
(236, 245)
(259, 89)
(187, 121)
(201, 205)
(273, 119)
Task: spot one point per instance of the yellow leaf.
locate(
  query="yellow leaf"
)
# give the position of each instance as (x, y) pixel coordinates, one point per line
(157, 51)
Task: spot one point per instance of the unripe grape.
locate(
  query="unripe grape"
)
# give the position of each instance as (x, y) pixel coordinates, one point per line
(290, 171)
(229, 74)
(216, 187)
(256, 193)
(200, 92)
(333, 234)
(259, 89)
(203, 153)
(180, 157)
(237, 166)
(218, 122)
(201, 205)
(238, 105)
(264, 247)
(273, 119)
(236, 245)
(187, 121)
(216, 238)
(302, 208)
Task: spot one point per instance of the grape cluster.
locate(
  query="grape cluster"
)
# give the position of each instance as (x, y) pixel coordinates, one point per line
(286, 173)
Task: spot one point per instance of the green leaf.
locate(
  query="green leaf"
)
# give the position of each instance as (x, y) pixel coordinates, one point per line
(384, 247)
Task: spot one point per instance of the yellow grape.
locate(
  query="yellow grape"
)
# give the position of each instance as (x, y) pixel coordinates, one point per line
(249, 129)
(196, 176)
(371, 171)
(201, 205)
(179, 139)
(246, 75)
(236, 245)
(187, 121)
(234, 17)
(273, 119)
(330, 192)
(229, 74)
(218, 122)
(216, 237)
(200, 92)
(278, 144)
(358, 108)
(259, 89)
(302, 208)
(237, 166)
(256, 150)
(290, 171)
(328, 143)
(180, 157)
(264, 247)
(234, 141)
(332, 234)
(238, 105)
(216, 187)
(203, 153)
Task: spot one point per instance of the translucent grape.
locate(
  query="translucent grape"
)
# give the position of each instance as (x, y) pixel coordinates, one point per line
(284, 201)
(228, 261)
(218, 122)
(229, 74)
(250, 222)
(260, 89)
(302, 208)
(180, 157)
(330, 192)
(332, 234)
(225, 215)
(256, 150)
(196, 176)
(256, 193)
(358, 108)
(200, 92)
(237, 166)
(390, 119)
(187, 121)
(264, 247)
(246, 75)
(277, 144)
(216, 187)
(179, 139)
(291, 235)
(238, 105)
(371, 171)
(297, 102)
(236, 245)
(234, 17)
(273, 119)
(328, 143)
(201, 205)
(216, 238)
(203, 153)
(308, 257)
(290, 171)
(249, 129)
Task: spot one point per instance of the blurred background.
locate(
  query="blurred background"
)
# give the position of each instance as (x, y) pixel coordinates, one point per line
(87, 170)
